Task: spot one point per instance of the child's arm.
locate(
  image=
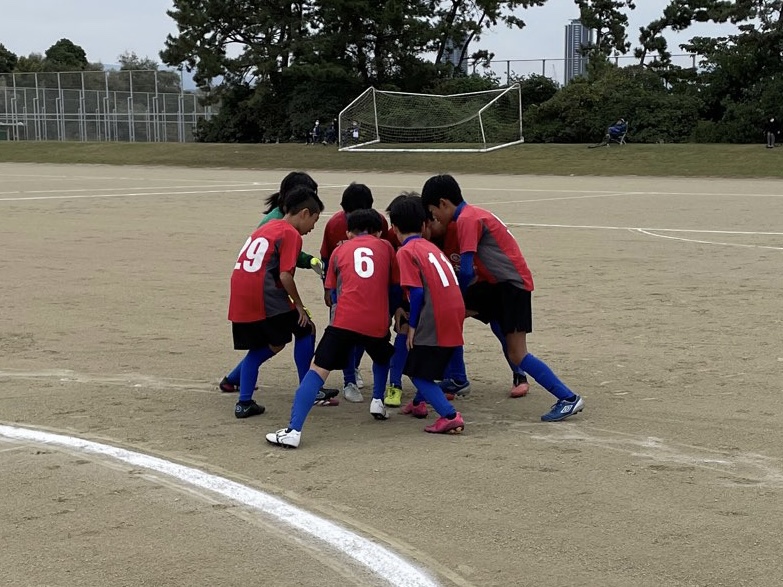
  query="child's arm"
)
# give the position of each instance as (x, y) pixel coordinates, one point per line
(416, 297)
(287, 280)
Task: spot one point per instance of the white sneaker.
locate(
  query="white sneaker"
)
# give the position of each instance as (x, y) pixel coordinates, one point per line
(285, 437)
(359, 380)
(352, 393)
(378, 410)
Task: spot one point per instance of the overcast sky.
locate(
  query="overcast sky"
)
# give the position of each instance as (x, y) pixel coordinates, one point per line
(107, 28)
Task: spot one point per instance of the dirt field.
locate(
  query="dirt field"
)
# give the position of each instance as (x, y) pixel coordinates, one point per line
(658, 300)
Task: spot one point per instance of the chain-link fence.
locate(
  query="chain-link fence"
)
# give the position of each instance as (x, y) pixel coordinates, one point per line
(144, 106)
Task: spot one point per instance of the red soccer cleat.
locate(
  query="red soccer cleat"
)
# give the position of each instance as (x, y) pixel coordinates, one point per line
(520, 386)
(446, 426)
(417, 411)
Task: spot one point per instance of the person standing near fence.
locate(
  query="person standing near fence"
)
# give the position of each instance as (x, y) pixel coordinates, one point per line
(772, 130)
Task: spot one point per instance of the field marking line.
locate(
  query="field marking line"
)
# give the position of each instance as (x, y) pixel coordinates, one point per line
(637, 228)
(583, 197)
(160, 187)
(135, 194)
(573, 191)
(703, 242)
(111, 178)
(378, 559)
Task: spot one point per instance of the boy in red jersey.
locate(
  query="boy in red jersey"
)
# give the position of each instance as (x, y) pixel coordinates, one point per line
(364, 273)
(436, 314)
(265, 308)
(499, 288)
(356, 196)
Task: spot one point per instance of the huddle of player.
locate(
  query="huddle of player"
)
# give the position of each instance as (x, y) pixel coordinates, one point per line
(442, 260)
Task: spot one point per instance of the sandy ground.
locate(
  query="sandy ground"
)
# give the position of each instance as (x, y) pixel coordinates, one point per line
(659, 300)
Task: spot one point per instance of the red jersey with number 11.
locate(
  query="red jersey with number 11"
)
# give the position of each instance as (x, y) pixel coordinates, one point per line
(423, 265)
(361, 270)
(256, 291)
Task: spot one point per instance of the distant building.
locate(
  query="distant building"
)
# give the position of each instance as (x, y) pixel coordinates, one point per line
(452, 53)
(577, 37)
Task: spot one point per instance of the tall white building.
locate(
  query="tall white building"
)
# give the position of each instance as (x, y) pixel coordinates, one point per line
(452, 53)
(577, 37)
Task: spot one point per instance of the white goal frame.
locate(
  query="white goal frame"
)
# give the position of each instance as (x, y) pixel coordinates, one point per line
(346, 139)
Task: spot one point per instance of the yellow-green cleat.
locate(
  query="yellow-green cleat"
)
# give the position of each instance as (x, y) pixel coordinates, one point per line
(393, 396)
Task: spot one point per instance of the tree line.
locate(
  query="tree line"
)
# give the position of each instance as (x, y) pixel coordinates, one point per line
(274, 68)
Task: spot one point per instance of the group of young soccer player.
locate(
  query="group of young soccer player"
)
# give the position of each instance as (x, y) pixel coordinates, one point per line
(440, 260)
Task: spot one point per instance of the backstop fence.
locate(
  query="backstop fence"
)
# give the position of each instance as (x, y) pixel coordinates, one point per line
(143, 106)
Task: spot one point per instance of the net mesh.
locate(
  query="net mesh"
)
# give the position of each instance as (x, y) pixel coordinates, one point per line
(479, 121)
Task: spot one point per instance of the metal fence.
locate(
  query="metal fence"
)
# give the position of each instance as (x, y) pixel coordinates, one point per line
(509, 69)
(143, 106)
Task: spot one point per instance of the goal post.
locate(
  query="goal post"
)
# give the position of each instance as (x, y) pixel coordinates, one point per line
(473, 122)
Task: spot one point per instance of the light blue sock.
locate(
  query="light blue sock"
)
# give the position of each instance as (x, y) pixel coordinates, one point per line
(233, 377)
(433, 395)
(455, 370)
(398, 359)
(304, 349)
(304, 399)
(545, 377)
(249, 371)
(349, 373)
(379, 375)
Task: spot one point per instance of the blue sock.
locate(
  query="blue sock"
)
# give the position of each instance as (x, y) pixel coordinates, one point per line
(455, 370)
(545, 377)
(433, 395)
(496, 330)
(349, 373)
(249, 371)
(304, 399)
(398, 359)
(233, 377)
(358, 354)
(304, 349)
(379, 375)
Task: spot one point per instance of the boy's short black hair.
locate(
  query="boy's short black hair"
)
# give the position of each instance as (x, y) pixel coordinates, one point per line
(441, 187)
(402, 196)
(408, 214)
(289, 182)
(368, 221)
(356, 196)
(300, 198)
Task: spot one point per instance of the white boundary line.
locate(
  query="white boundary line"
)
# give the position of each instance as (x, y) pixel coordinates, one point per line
(126, 188)
(134, 194)
(379, 560)
(638, 228)
(692, 240)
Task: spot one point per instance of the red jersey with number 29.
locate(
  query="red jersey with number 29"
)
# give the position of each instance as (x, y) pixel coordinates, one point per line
(256, 291)
(424, 265)
(361, 270)
(498, 256)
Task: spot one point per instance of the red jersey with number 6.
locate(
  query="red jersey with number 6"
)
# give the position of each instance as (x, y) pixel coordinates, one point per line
(423, 265)
(498, 256)
(256, 291)
(361, 270)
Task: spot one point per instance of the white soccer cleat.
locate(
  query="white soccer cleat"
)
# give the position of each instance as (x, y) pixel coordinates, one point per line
(285, 437)
(359, 380)
(352, 394)
(378, 410)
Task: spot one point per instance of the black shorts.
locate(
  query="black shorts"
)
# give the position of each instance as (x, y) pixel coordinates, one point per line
(504, 303)
(428, 362)
(274, 331)
(336, 345)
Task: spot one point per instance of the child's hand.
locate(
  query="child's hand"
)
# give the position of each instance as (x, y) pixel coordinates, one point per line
(304, 316)
(411, 333)
(317, 265)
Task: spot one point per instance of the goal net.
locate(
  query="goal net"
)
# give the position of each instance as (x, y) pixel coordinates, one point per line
(475, 122)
